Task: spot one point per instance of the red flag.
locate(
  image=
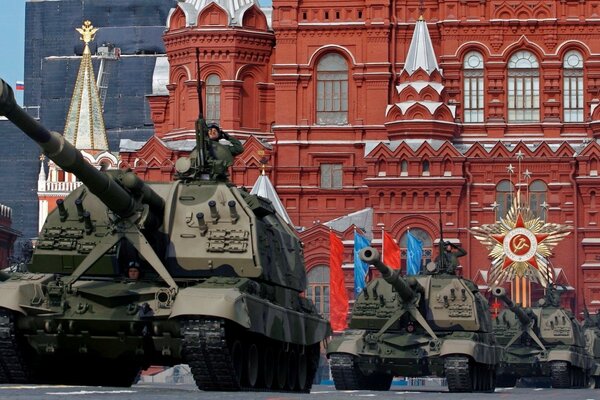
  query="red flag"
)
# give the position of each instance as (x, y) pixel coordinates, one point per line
(338, 301)
(391, 251)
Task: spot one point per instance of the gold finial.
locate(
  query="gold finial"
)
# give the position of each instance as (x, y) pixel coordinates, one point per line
(421, 9)
(87, 32)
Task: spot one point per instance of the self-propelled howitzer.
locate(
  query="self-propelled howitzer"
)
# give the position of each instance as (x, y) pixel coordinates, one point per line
(541, 341)
(430, 324)
(222, 277)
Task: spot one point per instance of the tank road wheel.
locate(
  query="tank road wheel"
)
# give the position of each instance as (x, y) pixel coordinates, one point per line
(561, 375)
(292, 369)
(282, 368)
(269, 366)
(252, 365)
(237, 359)
(302, 370)
(459, 374)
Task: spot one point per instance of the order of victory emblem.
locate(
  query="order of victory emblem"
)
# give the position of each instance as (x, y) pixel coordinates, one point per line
(519, 245)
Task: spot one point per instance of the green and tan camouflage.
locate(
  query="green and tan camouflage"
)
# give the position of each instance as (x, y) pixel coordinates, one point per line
(541, 341)
(429, 324)
(221, 284)
(591, 330)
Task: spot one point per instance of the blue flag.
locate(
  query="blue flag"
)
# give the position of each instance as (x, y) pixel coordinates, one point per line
(360, 267)
(414, 254)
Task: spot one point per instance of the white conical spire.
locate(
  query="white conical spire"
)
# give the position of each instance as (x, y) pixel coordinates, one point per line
(264, 188)
(421, 53)
(84, 127)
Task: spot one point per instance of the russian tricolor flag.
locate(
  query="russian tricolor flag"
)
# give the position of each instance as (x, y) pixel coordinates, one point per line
(20, 85)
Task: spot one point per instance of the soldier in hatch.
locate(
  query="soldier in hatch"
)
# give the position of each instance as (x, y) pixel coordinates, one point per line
(221, 148)
(448, 261)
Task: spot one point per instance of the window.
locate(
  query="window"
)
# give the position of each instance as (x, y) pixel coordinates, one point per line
(213, 99)
(573, 87)
(427, 255)
(331, 176)
(537, 198)
(473, 87)
(425, 166)
(504, 198)
(332, 90)
(404, 168)
(523, 88)
(318, 289)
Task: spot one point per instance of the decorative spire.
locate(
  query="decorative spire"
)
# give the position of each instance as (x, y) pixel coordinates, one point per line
(421, 53)
(264, 188)
(84, 126)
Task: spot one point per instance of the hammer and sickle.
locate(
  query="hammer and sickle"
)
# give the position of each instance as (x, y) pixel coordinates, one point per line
(519, 243)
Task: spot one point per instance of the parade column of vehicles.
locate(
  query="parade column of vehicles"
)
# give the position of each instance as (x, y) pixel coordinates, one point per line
(221, 285)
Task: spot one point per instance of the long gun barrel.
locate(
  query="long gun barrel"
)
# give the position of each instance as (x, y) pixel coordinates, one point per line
(500, 293)
(402, 286)
(66, 156)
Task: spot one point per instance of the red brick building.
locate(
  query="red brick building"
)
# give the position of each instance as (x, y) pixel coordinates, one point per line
(360, 105)
(7, 236)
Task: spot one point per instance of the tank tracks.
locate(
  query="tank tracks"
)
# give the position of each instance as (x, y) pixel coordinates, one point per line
(225, 357)
(564, 376)
(463, 375)
(19, 366)
(13, 366)
(348, 376)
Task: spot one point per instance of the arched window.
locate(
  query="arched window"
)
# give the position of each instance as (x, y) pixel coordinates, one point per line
(523, 88)
(332, 90)
(425, 239)
(537, 198)
(573, 87)
(504, 198)
(318, 289)
(213, 99)
(473, 87)
(425, 166)
(404, 168)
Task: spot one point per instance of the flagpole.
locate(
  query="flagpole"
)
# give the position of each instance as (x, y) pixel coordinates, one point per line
(382, 242)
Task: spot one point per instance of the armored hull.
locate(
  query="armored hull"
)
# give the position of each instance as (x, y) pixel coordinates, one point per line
(222, 275)
(435, 324)
(542, 341)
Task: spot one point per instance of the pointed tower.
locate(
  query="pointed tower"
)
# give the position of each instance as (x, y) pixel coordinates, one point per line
(84, 128)
(420, 109)
(234, 71)
(264, 188)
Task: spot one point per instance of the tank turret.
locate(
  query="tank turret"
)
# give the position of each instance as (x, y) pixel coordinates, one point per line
(406, 288)
(128, 273)
(437, 318)
(500, 293)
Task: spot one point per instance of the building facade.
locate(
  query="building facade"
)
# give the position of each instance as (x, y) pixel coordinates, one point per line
(420, 111)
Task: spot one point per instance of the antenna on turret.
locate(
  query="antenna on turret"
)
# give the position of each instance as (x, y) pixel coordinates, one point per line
(201, 128)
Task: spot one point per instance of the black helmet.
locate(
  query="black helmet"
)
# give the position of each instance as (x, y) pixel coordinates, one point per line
(133, 264)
